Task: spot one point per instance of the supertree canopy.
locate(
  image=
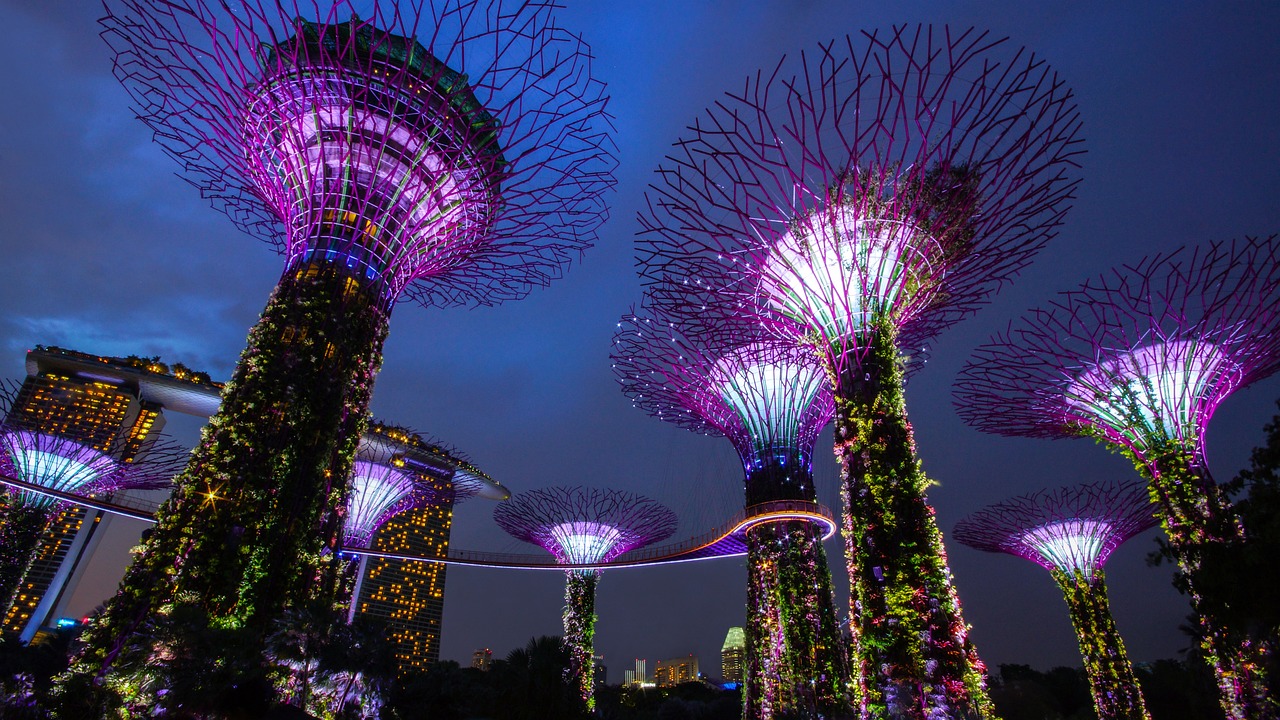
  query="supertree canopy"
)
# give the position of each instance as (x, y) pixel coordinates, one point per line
(444, 152)
(1139, 359)
(1071, 532)
(770, 400)
(584, 526)
(60, 464)
(858, 200)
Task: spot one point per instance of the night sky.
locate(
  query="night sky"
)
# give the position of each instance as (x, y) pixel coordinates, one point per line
(106, 251)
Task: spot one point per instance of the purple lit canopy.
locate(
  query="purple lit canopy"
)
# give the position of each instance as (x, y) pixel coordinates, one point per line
(583, 526)
(454, 154)
(64, 465)
(766, 398)
(899, 176)
(1072, 529)
(1140, 356)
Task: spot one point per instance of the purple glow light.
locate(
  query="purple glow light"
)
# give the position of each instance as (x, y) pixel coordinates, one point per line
(838, 269)
(393, 161)
(771, 391)
(377, 492)
(1071, 545)
(1073, 529)
(568, 521)
(582, 543)
(768, 398)
(56, 463)
(1157, 391)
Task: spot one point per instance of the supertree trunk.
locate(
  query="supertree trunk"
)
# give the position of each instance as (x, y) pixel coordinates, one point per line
(1195, 514)
(1116, 695)
(579, 632)
(911, 655)
(764, 686)
(796, 662)
(247, 530)
(20, 529)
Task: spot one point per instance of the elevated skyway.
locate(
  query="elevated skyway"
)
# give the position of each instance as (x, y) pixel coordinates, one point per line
(727, 540)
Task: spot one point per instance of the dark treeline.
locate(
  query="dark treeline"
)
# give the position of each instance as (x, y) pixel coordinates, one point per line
(1173, 690)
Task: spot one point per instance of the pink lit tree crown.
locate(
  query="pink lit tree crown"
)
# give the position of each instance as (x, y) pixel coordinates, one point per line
(461, 168)
(767, 399)
(894, 178)
(62, 464)
(1072, 529)
(585, 525)
(388, 478)
(1141, 356)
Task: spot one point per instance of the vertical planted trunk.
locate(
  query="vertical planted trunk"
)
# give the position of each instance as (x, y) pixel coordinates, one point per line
(248, 528)
(911, 654)
(579, 632)
(1195, 514)
(796, 662)
(1116, 695)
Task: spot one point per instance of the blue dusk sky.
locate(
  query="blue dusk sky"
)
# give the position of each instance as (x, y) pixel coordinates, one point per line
(107, 251)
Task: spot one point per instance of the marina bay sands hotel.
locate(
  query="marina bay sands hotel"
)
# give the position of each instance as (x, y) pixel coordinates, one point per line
(120, 403)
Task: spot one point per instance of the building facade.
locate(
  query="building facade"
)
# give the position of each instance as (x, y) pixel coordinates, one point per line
(732, 654)
(670, 673)
(98, 410)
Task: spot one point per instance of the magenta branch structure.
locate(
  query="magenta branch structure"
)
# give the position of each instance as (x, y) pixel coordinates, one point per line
(770, 400)
(856, 201)
(1139, 359)
(58, 463)
(1071, 532)
(448, 153)
(581, 526)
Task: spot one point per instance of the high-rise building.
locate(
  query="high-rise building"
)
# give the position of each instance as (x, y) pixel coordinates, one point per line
(93, 398)
(731, 655)
(66, 394)
(670, 673)
(481, 659)
(409, 595)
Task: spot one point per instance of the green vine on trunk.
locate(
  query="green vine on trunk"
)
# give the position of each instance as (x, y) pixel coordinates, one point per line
(1115, 689)
(911, 652)
(253, 517)
(1196, 517)
(579, 632)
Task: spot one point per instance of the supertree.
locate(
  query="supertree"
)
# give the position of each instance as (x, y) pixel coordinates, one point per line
(464, 168)
(770, 400)
(584, 526)
(1071, 532)
(1139, 359)
(48, 458)
(858, 202)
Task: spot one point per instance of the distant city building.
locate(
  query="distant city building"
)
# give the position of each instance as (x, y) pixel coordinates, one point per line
(642, 671)
(481, 659)
(670, 673)
(628, 678)
(731, 655)
(601, 671)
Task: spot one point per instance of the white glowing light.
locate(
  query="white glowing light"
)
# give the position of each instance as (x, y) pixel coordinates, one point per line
(375, 491)
(1070, 545)
(841, 271)
(583, 543)
(768, 391)
(54, 463)
(1163, 390)
(414, 191)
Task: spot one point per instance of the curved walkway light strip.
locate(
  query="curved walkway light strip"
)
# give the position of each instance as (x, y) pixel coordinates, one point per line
(728, 540)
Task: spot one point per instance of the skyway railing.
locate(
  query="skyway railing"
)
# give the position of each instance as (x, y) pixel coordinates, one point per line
(728, 540)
